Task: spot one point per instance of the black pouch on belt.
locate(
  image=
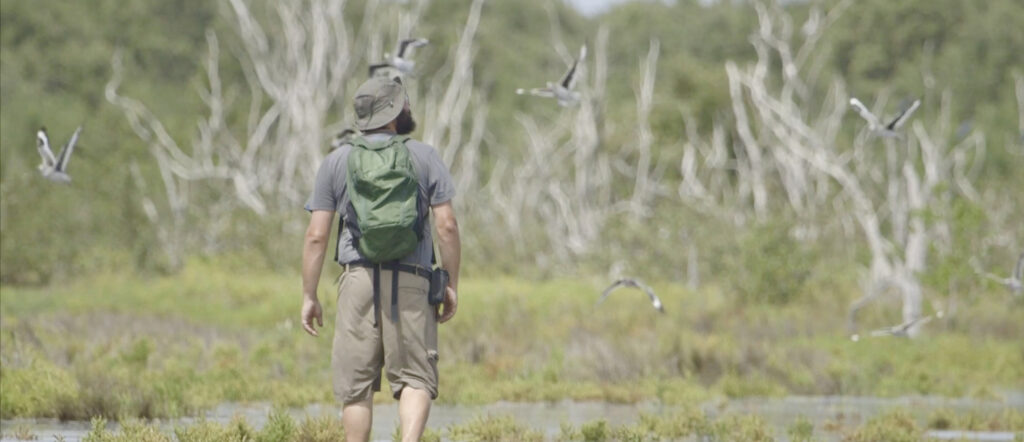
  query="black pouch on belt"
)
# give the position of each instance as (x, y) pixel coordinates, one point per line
(438, 286)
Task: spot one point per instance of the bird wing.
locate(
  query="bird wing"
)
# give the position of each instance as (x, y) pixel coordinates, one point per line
(996, 278)
(655, 300)
(1018, 273)
(412, 42)
(570, 76)
(376, 67)
(915, 324)
(882, 332)
(65, 153)
(610, 289)
(864, 113)
(546, 93)
(43, 146)
(569, 80)
(903, 116)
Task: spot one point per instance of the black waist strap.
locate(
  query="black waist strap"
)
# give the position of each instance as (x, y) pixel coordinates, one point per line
(394, 267)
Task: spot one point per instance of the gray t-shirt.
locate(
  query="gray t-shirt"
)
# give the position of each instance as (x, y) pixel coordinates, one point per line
(330, 193)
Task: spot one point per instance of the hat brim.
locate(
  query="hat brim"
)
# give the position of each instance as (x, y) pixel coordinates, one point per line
(378, 102)
(381, 117)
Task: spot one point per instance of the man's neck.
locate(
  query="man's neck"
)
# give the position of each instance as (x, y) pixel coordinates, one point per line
(386, 130)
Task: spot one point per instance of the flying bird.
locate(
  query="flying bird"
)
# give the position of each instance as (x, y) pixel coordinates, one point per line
(563, 90)
(343, 137)
(55, 168)
(1015, 283)
(626, 282)
(403, 60)
(905, 330)
(876, 126)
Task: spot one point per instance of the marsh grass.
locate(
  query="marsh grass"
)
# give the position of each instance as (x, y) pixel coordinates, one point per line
(493, 428)
(801, 430)
(117, 345)
(896, 426)
(1010, 419)
(429, 435)
(21, 432)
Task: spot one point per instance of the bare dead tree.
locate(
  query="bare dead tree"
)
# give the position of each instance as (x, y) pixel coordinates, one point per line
(168, 231)
(735, 182)
(298, 60)
(705, 170)
(445, 111)
(1018, 81)
(643, 183)
(563, 176)
(886, 195)
(302, 67)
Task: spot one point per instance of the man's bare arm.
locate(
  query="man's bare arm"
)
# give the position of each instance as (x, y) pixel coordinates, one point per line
(448, 240)
(313, 250)
(451, 254)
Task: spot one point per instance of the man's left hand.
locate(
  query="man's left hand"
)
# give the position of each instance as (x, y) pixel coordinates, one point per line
(450, 304)
(311, 310)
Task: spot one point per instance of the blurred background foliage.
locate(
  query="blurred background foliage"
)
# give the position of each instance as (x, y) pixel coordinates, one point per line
(56, 61)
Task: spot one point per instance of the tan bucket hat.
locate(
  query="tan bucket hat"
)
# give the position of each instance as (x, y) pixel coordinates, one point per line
(378, 101)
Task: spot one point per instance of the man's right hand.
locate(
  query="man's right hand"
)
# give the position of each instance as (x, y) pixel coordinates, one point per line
(450, 304)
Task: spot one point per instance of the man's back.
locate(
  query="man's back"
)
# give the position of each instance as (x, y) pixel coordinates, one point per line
(331, 193)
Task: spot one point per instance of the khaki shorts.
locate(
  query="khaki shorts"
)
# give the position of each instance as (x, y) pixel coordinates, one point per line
(408, 349)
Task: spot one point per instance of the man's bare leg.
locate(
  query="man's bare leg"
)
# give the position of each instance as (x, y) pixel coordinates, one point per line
(357, 418)
(413, 410)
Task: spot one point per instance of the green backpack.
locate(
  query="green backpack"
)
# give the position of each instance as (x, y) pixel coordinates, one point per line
(385, 201)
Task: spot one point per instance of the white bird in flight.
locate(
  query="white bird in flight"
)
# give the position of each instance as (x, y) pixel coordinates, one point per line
(403, 60)
(1015, 283)
(876, 126)
(563, 90)
(626, 282)
(55, 168)
(904, 330)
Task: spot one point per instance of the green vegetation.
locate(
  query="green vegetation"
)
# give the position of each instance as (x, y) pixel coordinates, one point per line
(95, 323)
(896, 426)
(117, 345)
(801, 430)
(493, 429)
(57, 61)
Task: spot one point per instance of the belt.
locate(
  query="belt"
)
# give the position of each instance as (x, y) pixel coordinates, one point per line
(394, 267)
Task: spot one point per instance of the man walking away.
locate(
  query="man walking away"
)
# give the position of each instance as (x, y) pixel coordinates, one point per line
(383, 186)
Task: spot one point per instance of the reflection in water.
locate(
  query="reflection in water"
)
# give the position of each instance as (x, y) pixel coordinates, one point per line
(828, 414)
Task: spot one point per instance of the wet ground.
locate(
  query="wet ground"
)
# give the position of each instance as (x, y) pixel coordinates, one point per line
(830, 415)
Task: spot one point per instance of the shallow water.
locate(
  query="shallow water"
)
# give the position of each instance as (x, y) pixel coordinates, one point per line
(830, 414)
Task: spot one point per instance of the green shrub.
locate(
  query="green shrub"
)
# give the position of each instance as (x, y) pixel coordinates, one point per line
(280, 427)
(322, 429)
(742, 429)
(502, 428)
(596, 431)
(801, 430)
(771, 266)
(893, 427)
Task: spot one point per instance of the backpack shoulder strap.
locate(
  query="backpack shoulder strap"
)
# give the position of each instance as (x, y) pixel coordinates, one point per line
(363, 143)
